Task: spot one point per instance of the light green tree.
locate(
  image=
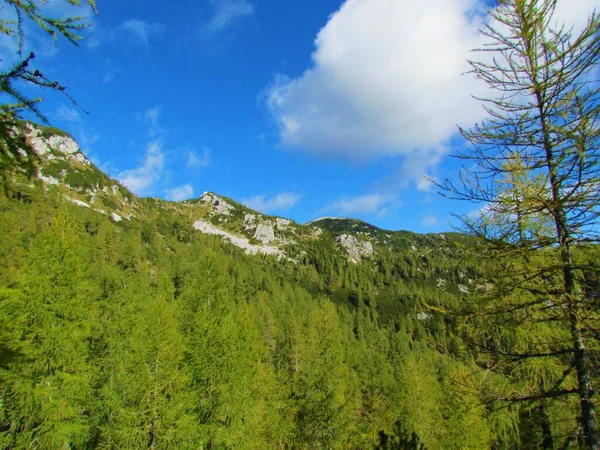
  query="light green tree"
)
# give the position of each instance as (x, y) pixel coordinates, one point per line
(534, 164)
(47, 389)
(145, 396)
(323, 380)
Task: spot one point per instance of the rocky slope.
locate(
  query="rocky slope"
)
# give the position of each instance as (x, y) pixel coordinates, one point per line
(63, 167)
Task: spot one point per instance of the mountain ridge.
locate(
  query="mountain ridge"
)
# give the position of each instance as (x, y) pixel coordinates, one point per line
(63, 166)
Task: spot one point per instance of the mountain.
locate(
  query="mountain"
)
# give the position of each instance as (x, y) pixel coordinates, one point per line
(332, 246)
(63, 167)
(130, 322)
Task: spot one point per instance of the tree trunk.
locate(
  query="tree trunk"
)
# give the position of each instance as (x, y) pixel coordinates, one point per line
(561, 221)
(548, 440)
(585, 390)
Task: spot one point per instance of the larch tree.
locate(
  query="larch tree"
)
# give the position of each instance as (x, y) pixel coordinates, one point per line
(534, 163)
(46, 390)
(19, 72)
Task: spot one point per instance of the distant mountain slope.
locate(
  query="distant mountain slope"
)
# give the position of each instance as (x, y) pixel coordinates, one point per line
(63, 168)
(251, 330)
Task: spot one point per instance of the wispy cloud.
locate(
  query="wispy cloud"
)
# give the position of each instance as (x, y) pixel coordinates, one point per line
(140, 179)
(226, 13)
(429, 221)
(281, 202)
(363, 205)
(141, 31)
(151, 116)
(180, 193)
(109, 71)
(151, 119)
(194, 160)
(108, 76)
(66, 114)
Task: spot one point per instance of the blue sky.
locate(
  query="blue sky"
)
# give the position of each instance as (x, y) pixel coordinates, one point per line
(302, 108)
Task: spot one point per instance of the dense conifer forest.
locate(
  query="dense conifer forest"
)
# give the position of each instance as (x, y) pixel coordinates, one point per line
(139, 323)
(144, 332)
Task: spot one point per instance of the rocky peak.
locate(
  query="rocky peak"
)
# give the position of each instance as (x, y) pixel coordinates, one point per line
(63, 166)
(218, 204)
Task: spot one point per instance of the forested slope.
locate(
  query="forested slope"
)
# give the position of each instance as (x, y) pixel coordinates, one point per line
(131, 323)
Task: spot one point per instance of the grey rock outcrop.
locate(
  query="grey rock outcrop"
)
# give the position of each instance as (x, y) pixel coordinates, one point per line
(249, 222)
(356, 249)
(264, 233)
(282, 224)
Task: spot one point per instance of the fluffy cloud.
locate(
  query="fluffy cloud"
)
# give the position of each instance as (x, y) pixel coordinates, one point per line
(140, 179)
(575, 12)
(180, 193)
(363, 204)
(141, 31)
(281, 202)
(389, 77)
(226, 13)
(386, 79)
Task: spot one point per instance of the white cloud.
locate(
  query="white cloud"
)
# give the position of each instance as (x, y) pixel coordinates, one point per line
(180, 193)
(139, 180)
(388, 78)
(226, 13)
(141, 31)
(575, 12)
(429, 221)
(281, 202)
(194, 160)
(363, 204)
